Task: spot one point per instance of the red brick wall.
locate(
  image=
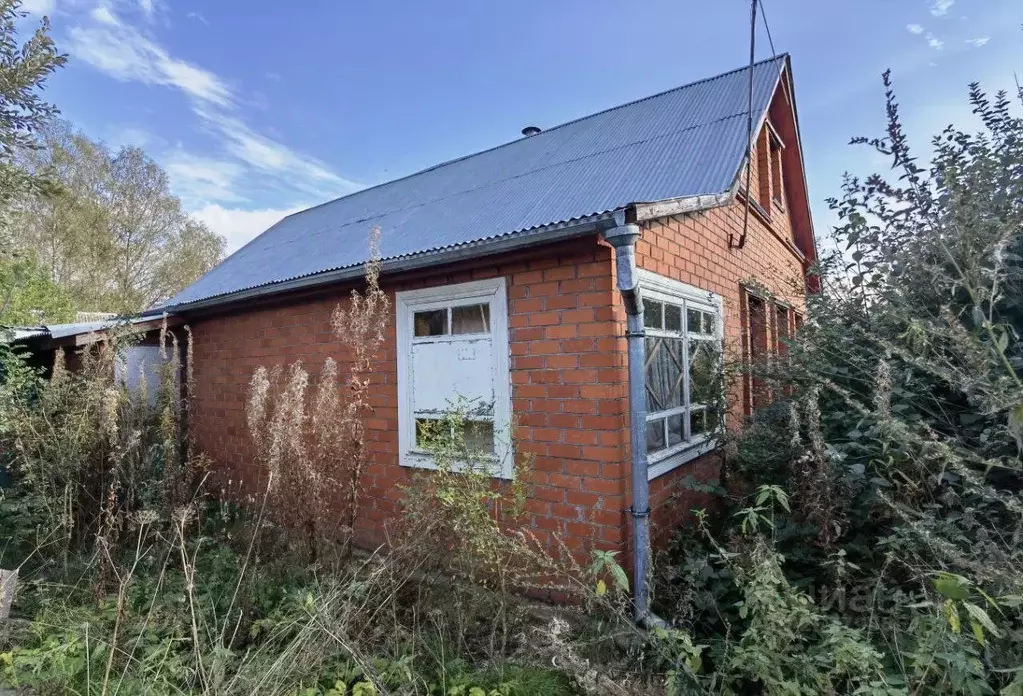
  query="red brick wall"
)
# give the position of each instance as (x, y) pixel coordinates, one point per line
(568, 388)
(694, 249)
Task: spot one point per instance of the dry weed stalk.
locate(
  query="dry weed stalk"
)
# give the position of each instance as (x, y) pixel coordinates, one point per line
(314, 446)
(360, 327)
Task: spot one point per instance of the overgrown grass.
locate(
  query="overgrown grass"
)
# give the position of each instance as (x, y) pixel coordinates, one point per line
(134, 579)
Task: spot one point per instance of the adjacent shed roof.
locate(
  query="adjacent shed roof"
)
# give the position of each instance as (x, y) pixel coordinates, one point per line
(16, 334)
(688, 141)
(57, 332)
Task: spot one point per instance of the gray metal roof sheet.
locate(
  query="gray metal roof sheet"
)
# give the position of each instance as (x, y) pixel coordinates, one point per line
(14, 334)
(75, 329)
(59, 331)
(688, 141)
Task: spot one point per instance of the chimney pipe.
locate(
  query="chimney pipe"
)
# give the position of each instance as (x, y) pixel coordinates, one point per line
(531, 130)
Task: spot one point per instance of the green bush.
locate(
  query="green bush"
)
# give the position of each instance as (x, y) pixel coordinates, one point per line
(872, 539)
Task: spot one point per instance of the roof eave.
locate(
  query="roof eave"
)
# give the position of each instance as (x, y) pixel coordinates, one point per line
(581, 227)
(681, 206)
(557, 232)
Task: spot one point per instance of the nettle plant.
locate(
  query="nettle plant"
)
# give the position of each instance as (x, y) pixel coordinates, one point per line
(916, 353)
(896, 435)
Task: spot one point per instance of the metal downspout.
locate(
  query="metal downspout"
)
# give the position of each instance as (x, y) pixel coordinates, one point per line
(623, 239)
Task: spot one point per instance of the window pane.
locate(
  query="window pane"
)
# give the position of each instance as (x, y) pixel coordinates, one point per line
(697, 423)
(431, 323)
(654, 436)
(479, 437)
(704, 382)
(694, 319)
(675, 432)
(712, 420)
(663, 373)
(672, 318)
(429, 433)
(469, 319)
(708, 323)
(652, 314)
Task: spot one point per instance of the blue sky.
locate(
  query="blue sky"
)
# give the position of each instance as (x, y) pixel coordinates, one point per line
(259, 108)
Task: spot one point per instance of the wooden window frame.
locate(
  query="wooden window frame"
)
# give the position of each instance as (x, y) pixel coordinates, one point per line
(492, 291)
(659, 288)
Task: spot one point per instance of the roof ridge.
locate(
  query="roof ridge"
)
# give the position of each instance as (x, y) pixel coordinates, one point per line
(517, 140)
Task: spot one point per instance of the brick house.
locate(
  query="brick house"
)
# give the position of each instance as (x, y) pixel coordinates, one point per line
(516, 274)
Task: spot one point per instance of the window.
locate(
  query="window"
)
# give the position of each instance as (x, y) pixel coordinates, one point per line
(782, 340)
(453, 353)
(782, 331)
(763, 173)
(777, 182)
(140, 368)
(683, 371)
(756, 342)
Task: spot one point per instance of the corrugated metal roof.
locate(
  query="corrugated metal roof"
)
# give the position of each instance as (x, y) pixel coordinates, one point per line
(688, 141)
(59, 331)
(14, 334)
(77, 328)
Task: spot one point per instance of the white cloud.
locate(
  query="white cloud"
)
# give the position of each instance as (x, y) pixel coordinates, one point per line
(240, 226)
(104, 15)
(39, 7)
(198, 180)
(197, 16)
(978, 42)
(934, 42)
(300, 171)
(914, 29)
(243, 168)
(124, 53)
(940, 8)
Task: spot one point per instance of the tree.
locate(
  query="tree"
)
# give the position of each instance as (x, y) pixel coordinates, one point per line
(23, 71)
(109, 230)
(29, 297)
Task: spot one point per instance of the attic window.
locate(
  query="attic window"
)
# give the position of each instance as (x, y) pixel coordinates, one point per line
(777, 181)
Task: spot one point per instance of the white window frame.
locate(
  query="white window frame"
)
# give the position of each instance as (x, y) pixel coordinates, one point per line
(492, 291)
(662, 289)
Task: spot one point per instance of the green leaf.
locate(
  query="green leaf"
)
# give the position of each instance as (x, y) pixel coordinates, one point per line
(1002, 342)
(621, 578)
(952, 615)
(951, 586)
(978, 632)
(980, 616)
(1016, 422)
